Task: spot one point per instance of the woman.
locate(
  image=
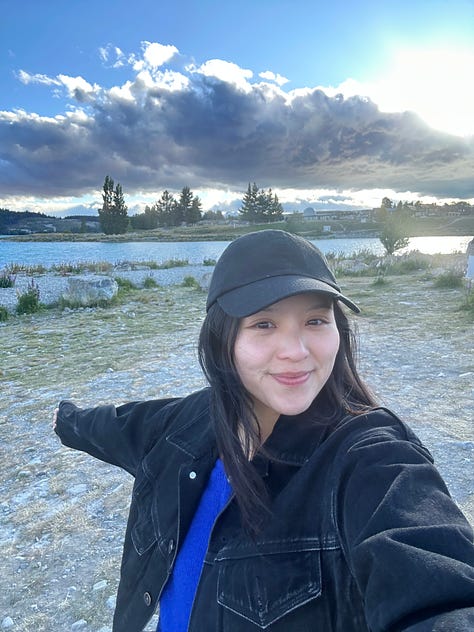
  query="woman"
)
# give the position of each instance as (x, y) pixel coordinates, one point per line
(281, 497)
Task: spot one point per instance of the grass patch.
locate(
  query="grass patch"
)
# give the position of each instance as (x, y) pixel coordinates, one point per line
(190, 281)
(468, 306)
(64, 304)
(125, 285)
(3, 314)
(149, 283)
(172, 263)
(7, 279)
(209, 262)
(29, 301)
(14, 268)
(406, 265)
(380, 281)
(449, 280)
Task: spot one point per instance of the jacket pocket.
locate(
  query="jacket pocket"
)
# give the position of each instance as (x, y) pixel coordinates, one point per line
(143, 531)
(262, 588)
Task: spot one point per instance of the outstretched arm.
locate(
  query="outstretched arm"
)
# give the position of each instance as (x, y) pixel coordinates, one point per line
(408, 545)
(118, 435)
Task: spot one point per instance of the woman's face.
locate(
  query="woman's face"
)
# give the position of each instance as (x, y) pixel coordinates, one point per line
(284, 355)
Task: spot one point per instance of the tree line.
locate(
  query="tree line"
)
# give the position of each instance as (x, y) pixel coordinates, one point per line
(167, 211)
(258, 205)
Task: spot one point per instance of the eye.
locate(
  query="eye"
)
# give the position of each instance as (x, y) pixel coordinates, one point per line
(263, 324)
(315, 322)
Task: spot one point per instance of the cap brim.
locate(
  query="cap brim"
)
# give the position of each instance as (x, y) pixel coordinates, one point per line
(253, 297)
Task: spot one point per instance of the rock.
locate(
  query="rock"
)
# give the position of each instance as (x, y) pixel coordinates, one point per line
(90, 289)
(81, 624)
(7, 622)
(204, 280)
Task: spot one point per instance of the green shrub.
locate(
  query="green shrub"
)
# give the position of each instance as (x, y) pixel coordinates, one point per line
(409, 264)
(125, 285)
(19, 267)
(29, 301)
(379, 281)
(7, 279)
(209, 262)
(3, 314)
(449, 280)
(190, 281)
(149, 282)
(173, 263)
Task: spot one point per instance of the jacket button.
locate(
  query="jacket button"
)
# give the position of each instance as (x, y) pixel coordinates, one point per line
(171, 546)
(192, 475)
(147, 599)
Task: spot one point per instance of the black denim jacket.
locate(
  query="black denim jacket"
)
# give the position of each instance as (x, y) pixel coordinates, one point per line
(363, 533)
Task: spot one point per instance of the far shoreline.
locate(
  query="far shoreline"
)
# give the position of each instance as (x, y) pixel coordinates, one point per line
(228, 233)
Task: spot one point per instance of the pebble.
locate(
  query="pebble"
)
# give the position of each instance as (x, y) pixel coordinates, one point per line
(81, 624)
(100, 585)
(7, 622)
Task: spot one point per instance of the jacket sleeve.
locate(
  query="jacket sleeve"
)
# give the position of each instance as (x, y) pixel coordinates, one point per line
(117, 435)
(409, 547)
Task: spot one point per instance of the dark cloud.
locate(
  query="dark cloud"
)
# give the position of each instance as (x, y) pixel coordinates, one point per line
(213, 134)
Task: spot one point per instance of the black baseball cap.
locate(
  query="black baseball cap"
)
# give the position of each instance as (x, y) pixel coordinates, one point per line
(261, 268)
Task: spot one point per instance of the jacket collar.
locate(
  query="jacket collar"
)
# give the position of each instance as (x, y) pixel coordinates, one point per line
(292, 441)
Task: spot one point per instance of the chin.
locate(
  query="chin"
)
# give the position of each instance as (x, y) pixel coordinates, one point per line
(292, 411)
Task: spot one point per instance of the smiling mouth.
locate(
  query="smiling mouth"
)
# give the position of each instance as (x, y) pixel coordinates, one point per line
(291, 379)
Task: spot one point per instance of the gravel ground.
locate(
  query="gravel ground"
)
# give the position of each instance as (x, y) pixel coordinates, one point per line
(63, 514)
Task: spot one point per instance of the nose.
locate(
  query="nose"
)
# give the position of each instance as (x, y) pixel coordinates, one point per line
(292, 345)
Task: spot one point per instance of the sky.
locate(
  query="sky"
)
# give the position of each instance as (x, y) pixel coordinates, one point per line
(331, 104)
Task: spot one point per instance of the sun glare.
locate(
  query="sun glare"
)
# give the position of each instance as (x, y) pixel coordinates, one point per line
(436, 84)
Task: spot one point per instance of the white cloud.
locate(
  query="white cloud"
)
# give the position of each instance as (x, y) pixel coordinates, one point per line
(271, 76)
(112, 56)
(154, 56)
(26, 78)
(74, 84)
(226, 71)
(168, 80)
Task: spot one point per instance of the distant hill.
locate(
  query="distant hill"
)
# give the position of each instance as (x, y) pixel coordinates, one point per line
(28, 222)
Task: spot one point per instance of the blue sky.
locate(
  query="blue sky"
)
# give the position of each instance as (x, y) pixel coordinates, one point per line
(333, 104)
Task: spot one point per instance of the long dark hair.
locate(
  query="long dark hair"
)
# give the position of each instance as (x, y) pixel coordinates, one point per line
(235, 425)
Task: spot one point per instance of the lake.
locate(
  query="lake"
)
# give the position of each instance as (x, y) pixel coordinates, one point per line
(54, 252)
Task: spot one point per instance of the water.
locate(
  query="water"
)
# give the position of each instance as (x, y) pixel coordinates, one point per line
(56, 253)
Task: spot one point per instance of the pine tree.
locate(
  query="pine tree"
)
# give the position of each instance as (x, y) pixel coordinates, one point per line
(113, 214)
(249, 208)
(119, 211)
(259, 205)
(194, 213)
(274, 209)
(183, 206)
(165, 208)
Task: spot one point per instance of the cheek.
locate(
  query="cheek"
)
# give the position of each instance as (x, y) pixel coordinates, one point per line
(248, 358)
(328, 350)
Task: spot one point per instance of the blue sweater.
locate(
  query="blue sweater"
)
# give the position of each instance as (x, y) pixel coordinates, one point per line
(177, 598)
